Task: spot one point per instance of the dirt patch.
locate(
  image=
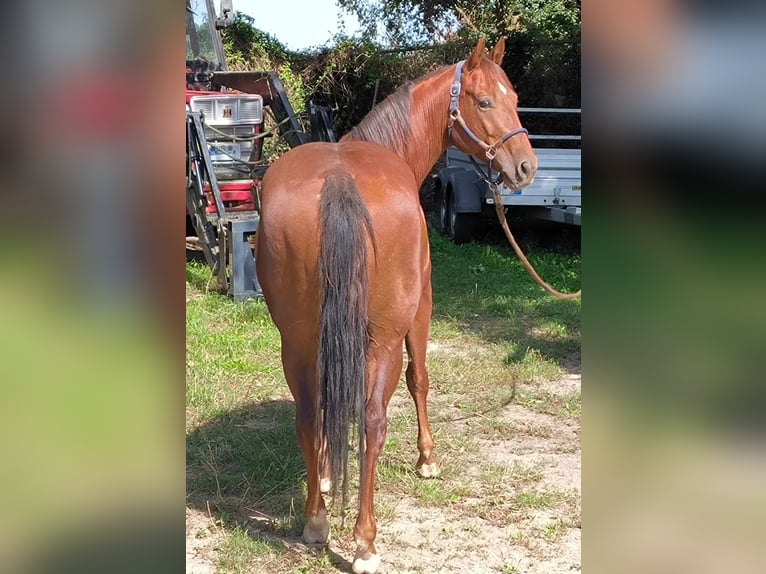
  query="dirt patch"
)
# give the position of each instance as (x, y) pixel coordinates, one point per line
(421, 540)
(567, 385)
(192, 294)
(508, 500)
(202, 537)
(521, 509)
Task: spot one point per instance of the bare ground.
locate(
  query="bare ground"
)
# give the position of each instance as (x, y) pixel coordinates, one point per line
(477, 536)
(515, 506)
(202, 537)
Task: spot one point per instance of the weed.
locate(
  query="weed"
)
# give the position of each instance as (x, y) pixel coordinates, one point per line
(519, 538)
(316, 565)
(555, 530)
(438, 493)
(238, 550)
(540, 500)
(507, 476)
(568, 406)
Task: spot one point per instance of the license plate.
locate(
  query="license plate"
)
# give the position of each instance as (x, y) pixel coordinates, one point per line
(219, 151)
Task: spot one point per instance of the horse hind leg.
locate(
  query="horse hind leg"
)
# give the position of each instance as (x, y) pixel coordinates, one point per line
(416, 342)
(317, 529)
(303, 387)
(382, 379)
(325, 481)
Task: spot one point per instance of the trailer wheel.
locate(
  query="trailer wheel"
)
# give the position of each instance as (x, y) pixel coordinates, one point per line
(442, 212)
(460, 224)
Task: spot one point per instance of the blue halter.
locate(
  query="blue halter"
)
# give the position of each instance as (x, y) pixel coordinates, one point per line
(489, 149)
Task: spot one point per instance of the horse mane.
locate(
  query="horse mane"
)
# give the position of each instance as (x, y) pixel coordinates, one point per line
(388, 123)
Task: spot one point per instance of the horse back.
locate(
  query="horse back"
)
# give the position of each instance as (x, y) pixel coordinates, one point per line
(398, 263)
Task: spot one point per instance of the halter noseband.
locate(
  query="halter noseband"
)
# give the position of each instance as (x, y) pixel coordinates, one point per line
(489, 149)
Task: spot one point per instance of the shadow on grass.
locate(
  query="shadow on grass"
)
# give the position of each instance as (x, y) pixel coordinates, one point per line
(483, 290)
(533, 236)
(244, 467)
(246, 463)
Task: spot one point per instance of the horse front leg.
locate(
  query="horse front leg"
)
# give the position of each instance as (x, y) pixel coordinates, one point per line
(417, 383)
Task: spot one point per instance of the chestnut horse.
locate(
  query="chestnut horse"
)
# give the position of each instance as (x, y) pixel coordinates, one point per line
(343, 259)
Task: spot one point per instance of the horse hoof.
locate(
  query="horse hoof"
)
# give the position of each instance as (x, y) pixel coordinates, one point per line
(325, 485)
(367, 563)
(429, 470)
(317, 529)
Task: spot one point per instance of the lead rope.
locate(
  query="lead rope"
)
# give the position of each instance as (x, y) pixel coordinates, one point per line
(490, 150)
(527, 265)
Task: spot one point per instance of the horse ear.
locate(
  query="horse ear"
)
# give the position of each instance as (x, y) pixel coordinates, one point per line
(498, 51)
(478, 53)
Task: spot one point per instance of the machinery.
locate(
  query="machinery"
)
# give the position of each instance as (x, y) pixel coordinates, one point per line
(225, 118)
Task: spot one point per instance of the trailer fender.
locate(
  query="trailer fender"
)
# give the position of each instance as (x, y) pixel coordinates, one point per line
(467, 188)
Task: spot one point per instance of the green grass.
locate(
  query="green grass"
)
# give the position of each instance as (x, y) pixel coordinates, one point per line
(480, 283)
(239, 550)
(514, 475)
(495, 337)
(567, 406)
(534, 500)
(555, 530)
(439, 492)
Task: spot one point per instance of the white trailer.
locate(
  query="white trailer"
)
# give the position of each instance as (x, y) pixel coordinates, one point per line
(463, 196)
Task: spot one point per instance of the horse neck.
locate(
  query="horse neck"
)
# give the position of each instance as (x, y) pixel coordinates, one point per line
(428, 122)
(416, 132)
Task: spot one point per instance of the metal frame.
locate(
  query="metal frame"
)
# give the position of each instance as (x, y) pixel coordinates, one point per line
(269, 87)
(222, 235)
(244, 280)
(552, 111)
(223, 238)
(217, 41)
(199, 169)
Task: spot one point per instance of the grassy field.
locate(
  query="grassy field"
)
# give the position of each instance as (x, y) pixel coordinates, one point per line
(505, 410)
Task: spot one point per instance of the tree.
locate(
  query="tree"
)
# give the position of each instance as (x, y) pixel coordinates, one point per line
(414, 21)
(542, 50)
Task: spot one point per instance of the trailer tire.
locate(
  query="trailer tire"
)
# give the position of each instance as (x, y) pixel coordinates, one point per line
(442, 211)
(460, 224)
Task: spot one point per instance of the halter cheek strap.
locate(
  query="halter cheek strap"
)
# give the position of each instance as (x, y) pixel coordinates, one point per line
(456, 117)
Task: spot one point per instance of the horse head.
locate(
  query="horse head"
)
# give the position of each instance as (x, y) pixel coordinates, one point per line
(484, 104)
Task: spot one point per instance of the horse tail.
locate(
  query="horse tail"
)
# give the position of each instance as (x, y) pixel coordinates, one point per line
(344, 224)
